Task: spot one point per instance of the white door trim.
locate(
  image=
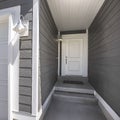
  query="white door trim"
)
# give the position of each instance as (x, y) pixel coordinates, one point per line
(35, 58)
(85, 52)
(12, 15)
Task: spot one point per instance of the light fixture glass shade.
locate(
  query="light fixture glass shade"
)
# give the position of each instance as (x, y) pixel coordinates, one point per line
(20, 28)
(59, 37)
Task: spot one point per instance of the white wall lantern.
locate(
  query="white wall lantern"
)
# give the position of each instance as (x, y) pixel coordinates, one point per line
(22, 27)
(59, 37)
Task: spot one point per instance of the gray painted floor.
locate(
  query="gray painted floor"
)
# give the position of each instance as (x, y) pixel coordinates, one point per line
(67, 110)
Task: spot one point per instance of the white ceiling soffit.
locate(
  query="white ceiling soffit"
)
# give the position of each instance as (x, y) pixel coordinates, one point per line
(74, 14)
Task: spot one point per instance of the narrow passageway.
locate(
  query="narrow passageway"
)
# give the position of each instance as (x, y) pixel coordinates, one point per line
(74, 101)
(80, 38)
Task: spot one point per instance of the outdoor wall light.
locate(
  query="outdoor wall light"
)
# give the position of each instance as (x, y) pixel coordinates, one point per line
(22, 27)
(59, 37)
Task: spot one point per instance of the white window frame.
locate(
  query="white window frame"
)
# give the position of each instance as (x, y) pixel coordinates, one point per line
(12, 15)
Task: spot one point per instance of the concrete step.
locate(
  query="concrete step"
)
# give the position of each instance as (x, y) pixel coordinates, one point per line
(73, 78)
(75, 97)
(75, 90)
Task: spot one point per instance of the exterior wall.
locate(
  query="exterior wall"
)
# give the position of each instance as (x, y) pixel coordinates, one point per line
(104, 53)
(48, 51)
(25, 54)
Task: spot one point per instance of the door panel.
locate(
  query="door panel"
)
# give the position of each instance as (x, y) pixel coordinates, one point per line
(4, 70)
(73, 56)
(73, 65)
(73, 49)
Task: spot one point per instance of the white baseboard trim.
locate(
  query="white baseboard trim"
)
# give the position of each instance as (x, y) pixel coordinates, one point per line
(107, 110)
(46, 105)
(23, 116)
(39, 114)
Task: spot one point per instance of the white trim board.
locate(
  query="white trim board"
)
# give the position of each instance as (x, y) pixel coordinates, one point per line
(46, 104)
(107, 110)
(35, 57)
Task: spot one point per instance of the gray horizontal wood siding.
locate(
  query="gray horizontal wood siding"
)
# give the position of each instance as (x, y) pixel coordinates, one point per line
(25, 53)
(48, 51)
(104, 53)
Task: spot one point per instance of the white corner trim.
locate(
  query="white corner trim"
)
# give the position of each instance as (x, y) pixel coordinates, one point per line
(107, 110)
(39, 114)
(46, 105)
(35, 57)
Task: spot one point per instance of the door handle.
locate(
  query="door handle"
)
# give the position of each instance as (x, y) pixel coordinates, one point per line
(66, 59)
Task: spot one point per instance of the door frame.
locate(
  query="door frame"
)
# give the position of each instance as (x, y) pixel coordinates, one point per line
(83, 36)
(12, 16)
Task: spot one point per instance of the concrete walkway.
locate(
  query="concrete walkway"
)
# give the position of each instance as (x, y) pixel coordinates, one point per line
(67, 110)
(74, 102)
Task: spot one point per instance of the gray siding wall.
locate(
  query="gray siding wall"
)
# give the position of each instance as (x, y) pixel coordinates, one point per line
(25, 53)
(104, 53)
(48, 51)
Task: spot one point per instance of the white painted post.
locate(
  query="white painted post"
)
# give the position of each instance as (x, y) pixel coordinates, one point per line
(35, 58)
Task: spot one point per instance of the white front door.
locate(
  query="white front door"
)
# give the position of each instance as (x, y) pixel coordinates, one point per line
(72, 56)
